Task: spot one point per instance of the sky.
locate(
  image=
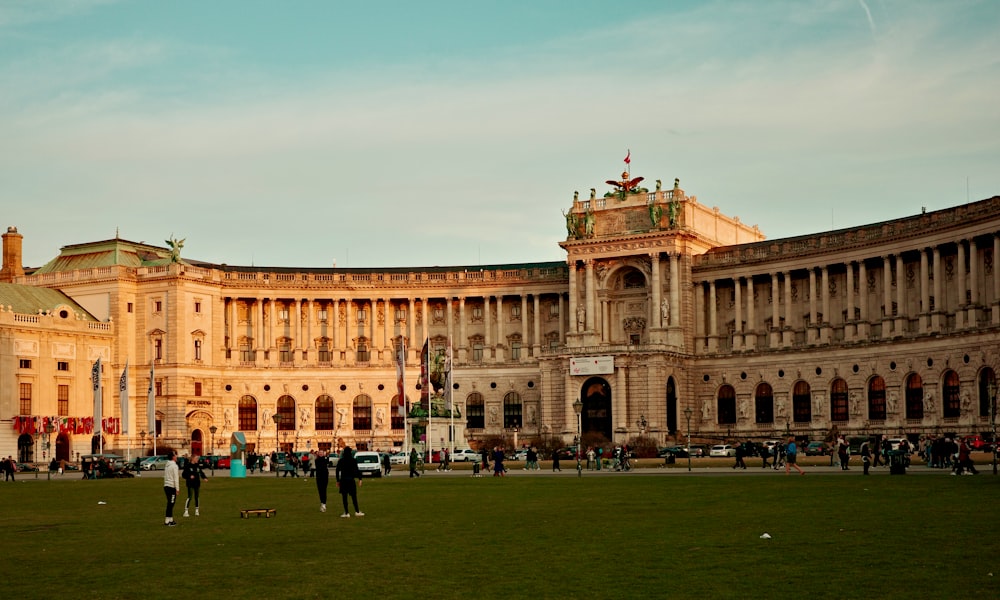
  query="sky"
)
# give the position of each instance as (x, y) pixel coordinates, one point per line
(439, 133)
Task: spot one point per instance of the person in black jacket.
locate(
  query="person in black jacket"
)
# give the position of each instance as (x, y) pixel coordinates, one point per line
(347, 472)
(322, 466)
(192, 475)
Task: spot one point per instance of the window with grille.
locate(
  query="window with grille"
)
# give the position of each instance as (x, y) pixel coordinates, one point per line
(475, 411)
(62, 395)
(362, 412)
(764, 404)
(247, 417)
(324, 413)
(512, 410)
(914, 397)
(801, 402)
(727, 405)
(25, 404)
(839, 400)
(951, 399)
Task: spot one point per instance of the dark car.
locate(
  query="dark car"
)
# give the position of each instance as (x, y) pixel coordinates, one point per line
(675, 451)
(818, 449)
(567, 453)
(26, 467)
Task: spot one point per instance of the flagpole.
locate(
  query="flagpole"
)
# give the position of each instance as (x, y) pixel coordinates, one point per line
(451, 402)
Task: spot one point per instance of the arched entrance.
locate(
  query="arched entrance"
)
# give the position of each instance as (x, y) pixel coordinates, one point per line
(62, 447)
(197, 443)
(671, 406)
(596, 415)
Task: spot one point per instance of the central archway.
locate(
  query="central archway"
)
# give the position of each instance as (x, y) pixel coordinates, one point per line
(596, 414)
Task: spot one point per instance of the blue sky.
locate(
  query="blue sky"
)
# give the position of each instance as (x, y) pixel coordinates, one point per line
(389, 133)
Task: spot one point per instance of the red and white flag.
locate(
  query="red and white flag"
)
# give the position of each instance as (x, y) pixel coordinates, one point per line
(628, 157)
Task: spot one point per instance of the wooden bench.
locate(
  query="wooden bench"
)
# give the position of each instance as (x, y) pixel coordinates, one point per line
(267, 513)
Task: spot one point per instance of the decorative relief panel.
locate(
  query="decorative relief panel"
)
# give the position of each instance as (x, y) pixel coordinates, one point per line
(63, 350)
(26, 347)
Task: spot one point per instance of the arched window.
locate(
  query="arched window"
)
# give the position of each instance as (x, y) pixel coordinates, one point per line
(764, 403)
(324, 413)
(475, 411)
(362, 412)
(247, 417)
(727, 405)
(876, 399)
(914, 397)
(950, 395)
(399, 411)
(986, 378)
(286, 408)
(512, 410)
(801, 402)
(839, 406)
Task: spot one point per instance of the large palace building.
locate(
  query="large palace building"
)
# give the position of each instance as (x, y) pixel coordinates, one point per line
(666, 318)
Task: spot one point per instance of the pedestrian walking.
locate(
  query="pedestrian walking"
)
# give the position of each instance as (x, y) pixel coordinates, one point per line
(413, 463)
(322, 465)
(171, 483)
(498, 469)
(386, 464)
(791, 455)
(347, 472)
(866, 456)
(842, 454)
(193, 475)
(555, 462)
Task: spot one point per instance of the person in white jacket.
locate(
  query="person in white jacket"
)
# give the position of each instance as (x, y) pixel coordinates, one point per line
(171, 483)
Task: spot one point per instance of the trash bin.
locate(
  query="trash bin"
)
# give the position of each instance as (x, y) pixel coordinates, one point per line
(897, 463)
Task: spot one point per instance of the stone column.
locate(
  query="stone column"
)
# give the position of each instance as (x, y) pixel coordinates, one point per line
(487, 327)
(750, 338)
(973, 314)
(925, 292)
(886, 297)
(960, 271)
(698, 289)
(271, 342)
(536, 345)
(824, 293)
(675, 291)
(425, 323)
(621, 396)
(411, 326)
(850, 325)
(812, 331)
(389, 325)
(996, 280)
(501, 340)
(591, 295)
(562, 321)
(901, 313)
(573, 327)
(937, 314)
(654, 313)
(349, 331)
(297, 331)
(786, 332)
(335, 326)
(525, 340)
(738, 320)
(449, 314)
(463, 341)
(775, 333)
(713, 329)
(372, 320)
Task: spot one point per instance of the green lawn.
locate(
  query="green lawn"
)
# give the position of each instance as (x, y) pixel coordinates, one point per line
(531, 536)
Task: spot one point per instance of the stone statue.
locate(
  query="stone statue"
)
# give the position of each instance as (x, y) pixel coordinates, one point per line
(175, 248)
(890, 403)
(342, 422)
(659, 185)
(744, 407)
(493, 416)
(576, 196)
(929, 402)
(673, 211)
(593, 193)
(706, 411)
(581, 317)
(966, 404)
(779, 408)
(572, 223)
(655, 212)
(379, 418)
(855, 400)
(665, 311)
(228, 419)
(588, 222)
(531, 416)
(303, 417)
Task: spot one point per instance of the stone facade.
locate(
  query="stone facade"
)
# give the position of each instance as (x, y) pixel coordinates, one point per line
(664, 310)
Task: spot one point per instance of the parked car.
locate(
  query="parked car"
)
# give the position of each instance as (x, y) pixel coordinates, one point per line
(466, 455)
(818, 449)
(698, 451)
(399, 458)
(894, 444)
(369, 463)
(722, 450)
(675, 451)
(977, 443)
(154, 463)
(224, 462)
(25, 467)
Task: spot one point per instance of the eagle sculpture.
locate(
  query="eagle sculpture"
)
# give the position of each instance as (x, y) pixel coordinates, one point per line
(626, 184)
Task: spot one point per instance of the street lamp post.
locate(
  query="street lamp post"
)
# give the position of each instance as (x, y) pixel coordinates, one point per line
(578, 408)
(687, 413)
(211, 461)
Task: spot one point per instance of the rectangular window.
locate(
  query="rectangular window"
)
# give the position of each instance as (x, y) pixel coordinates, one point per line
(158, 306)
(158, 349)
(362, 315)
(62, 395)
(159, 392)
(197, 388)
(477, 352)
(246, 354)
(197, 306)
(322, 315)
(363, 355)
(400, 315)
(283, 314)
(24, 363)
(324, 354)
(285, 353)
(197, 349)
(62, 365)
(477, 312)
(515, 350)
(25, 406)
(515, 312)
(554, 309)
(128, 307)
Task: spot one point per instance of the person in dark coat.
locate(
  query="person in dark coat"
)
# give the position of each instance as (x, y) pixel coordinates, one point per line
(413, 463)
(347, 472)
(193, 475)
(322, 466)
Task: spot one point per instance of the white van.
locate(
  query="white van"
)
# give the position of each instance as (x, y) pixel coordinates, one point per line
(369, 463)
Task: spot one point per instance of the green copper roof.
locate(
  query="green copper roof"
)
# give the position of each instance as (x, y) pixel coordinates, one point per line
(105, 254)
(28, 300)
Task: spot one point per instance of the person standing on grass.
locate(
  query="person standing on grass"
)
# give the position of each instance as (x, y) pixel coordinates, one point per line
(413, 463)
(192, 475)
(171, 483)
(791, 454)
(498, 470)
(866, 456)
(842, 454)
(386, 464)
(555, 462)
(347, 472)
(322, 465)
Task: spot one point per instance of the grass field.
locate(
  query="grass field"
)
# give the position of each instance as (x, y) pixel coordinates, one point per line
(532, 536)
